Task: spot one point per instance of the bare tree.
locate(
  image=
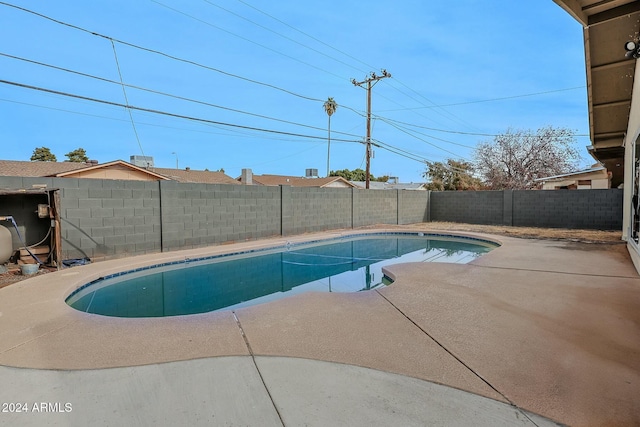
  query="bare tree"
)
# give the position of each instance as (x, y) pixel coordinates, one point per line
(515, 159)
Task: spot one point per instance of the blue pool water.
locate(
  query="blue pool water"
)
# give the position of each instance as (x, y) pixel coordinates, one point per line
(238, 280)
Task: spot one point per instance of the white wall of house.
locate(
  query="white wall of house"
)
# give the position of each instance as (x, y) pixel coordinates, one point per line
(585, 181)
(632, 140)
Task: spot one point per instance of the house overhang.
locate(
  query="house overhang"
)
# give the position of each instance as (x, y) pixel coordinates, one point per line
(607, 25)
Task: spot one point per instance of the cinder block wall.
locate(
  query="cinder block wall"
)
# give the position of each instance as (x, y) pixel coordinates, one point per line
(102, 218)
(110, 219)
(194, 215)
(413, 206)
(473, 207)
(374, 207)
(587, 209)
(317, 209)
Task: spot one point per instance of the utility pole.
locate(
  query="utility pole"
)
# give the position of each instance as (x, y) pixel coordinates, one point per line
(370, 82)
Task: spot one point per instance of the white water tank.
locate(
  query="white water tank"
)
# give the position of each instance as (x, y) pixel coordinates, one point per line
(6, 244)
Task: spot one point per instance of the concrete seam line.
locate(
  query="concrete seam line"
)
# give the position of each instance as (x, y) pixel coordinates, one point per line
(253, 359)
(35, 338)
(556, 272)
(459, 360)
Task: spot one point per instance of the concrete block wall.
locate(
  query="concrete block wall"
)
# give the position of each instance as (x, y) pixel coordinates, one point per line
(317, 209)
(585, 209)
(473, 207)
(104, 219)
(413, 206)
(194, 215)
(374, 207)
(110, 219)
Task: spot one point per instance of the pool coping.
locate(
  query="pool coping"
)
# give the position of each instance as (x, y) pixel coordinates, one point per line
(257, 251)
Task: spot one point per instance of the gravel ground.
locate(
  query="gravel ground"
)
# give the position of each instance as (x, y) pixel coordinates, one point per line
(584, 236)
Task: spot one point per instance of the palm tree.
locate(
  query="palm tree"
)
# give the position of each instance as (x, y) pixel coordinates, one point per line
(330, 107)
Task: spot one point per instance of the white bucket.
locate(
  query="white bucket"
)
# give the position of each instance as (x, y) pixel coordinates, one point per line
(28, 269)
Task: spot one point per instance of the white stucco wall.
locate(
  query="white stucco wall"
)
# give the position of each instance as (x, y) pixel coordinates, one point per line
(633, 133)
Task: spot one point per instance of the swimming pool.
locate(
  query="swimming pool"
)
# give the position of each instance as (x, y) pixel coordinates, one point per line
(346, 264)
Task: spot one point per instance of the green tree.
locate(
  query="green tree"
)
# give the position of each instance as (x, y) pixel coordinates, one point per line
(330, 107)
(78, 155)
(354, 175)
(515, 159)
(453, 175)
(43, 154)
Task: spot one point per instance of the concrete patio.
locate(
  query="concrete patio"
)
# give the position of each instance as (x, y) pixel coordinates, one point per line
(536, 332)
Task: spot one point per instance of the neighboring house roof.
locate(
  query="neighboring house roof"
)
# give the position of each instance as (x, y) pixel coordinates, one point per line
(92, 170)
(19, 168)
(377, 185)
(202, 177)
(294, 181)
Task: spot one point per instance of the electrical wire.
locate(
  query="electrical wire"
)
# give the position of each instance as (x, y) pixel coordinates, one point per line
(164, 113)
(425, 141)
(490, 99)
(358, 112)
(157, 92)
(126, 100)
(246, 39)
(277, 33)
(210, 122)
(341, 52)
(394, 124)
(306, 34)
(112, 40)
(157, 52)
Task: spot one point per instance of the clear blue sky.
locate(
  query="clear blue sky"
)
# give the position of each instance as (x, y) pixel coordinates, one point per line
(479, 67)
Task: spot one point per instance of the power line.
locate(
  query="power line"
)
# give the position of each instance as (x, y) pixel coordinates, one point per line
(165, 113)
(306, 34)
(380, 144)
(343, 53)
(279, 34)
(167, 94)
(126, 100)
(157, 52)
(393, 123)
(455, 118)
(245, 39)
(490, 99)
(425, 141)
(241, 135)
(386, 119)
